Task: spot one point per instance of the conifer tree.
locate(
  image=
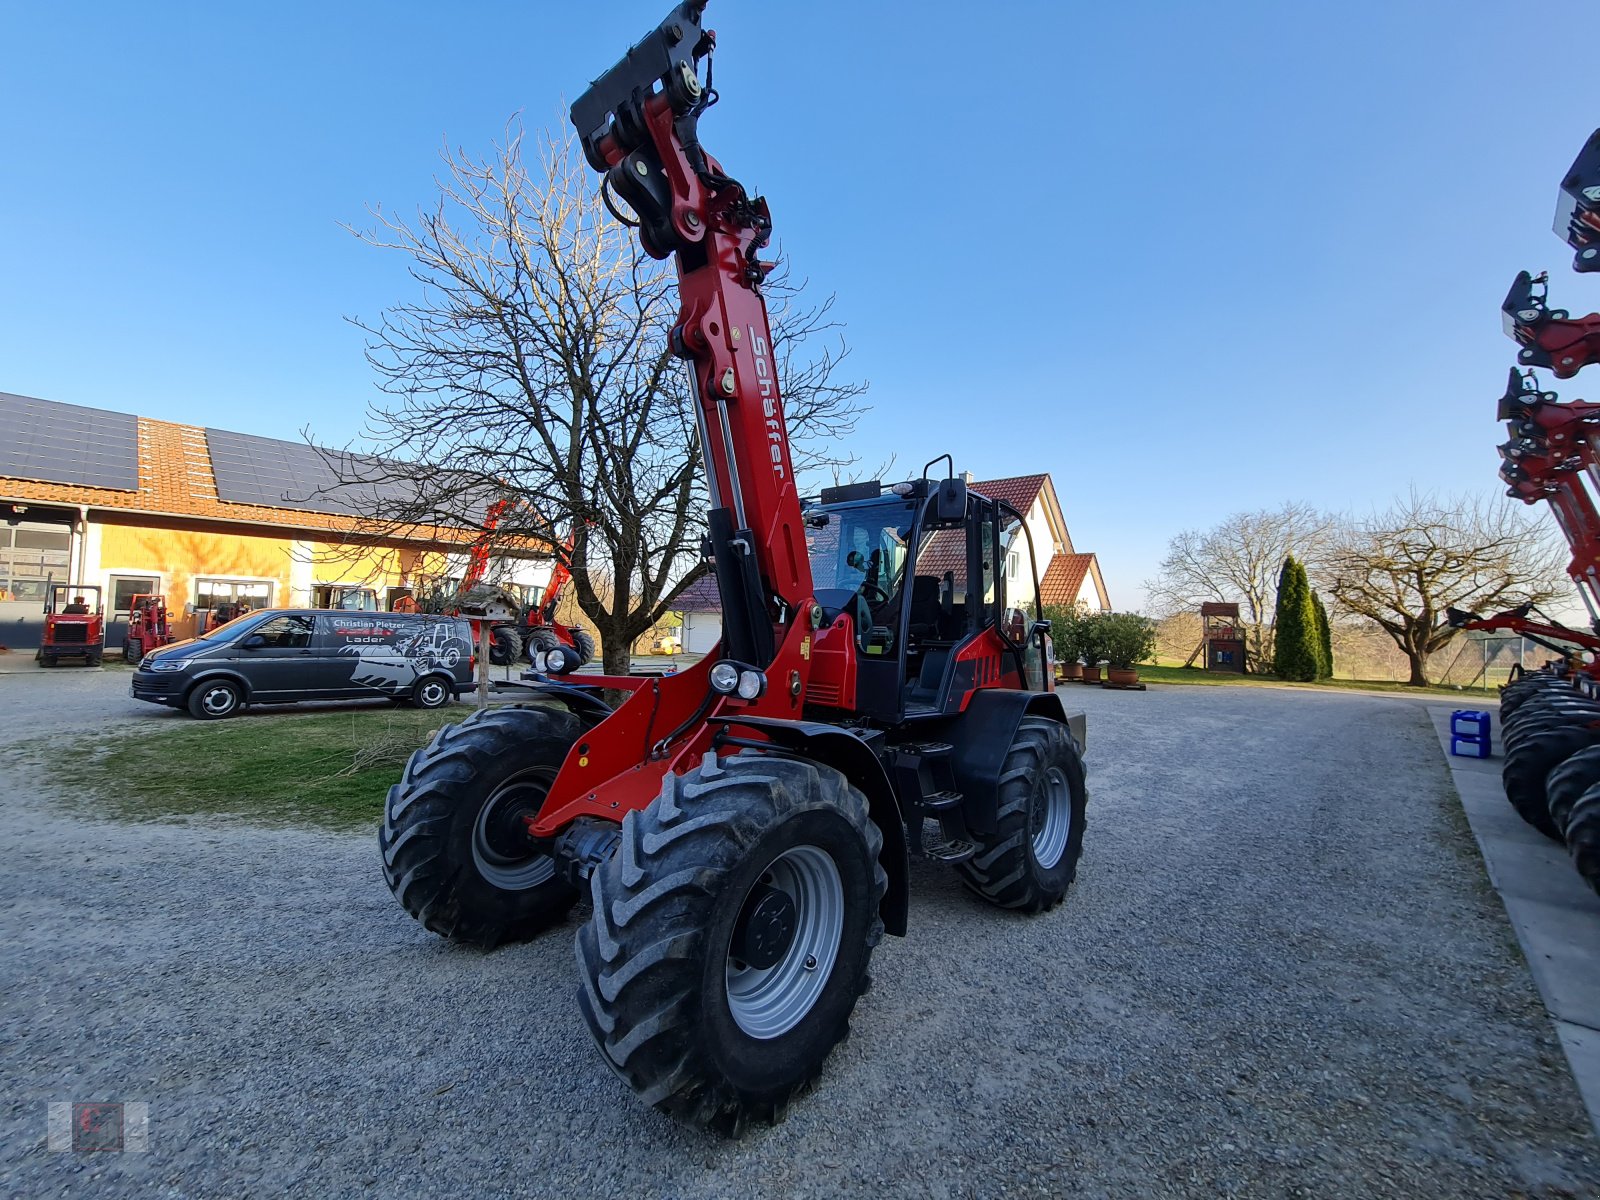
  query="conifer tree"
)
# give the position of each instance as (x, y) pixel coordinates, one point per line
(1295, 627)
(1324, 638)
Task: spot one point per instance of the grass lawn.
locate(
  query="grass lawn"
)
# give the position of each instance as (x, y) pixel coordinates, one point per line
(1195, 675)
(324, 768)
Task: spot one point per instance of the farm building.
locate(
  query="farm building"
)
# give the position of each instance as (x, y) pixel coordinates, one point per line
(207, 517)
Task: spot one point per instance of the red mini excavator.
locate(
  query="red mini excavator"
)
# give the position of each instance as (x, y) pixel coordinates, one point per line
(883, 688)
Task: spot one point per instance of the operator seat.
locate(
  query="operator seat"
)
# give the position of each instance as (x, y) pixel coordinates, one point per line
(926, 612)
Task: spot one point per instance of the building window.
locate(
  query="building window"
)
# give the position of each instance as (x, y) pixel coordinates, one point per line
(1011, 566)
(231, 593)
(125, 587)
(344, 597)
(32, 553)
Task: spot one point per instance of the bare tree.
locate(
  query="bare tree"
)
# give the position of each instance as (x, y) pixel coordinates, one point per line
(1237, 562)
(1402, 569)
(534, 363)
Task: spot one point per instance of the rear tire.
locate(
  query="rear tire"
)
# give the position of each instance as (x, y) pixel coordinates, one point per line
(1528, 765)
(1583, 837)
(693, 1028)
(584, 644)
(455, 851)
(215, 700)
(432, 691)
(1032, 858)
(1569, 780)
(560, 658)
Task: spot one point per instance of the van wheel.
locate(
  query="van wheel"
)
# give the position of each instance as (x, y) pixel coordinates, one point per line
(215, 699)
(431, 692)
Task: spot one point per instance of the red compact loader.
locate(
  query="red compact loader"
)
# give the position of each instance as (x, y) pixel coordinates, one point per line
(148, 628)
(74, 625)
(744, 826)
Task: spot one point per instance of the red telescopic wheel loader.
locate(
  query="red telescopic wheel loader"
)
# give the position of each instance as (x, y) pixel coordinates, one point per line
(744, 826)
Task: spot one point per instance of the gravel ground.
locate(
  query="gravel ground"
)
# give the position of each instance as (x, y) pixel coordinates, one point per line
(1282, 972)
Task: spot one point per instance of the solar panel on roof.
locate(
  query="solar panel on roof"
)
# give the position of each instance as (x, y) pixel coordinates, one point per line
(277, 474)
(68, 443)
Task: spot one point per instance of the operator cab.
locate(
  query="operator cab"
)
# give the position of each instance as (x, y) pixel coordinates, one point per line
(928, 583)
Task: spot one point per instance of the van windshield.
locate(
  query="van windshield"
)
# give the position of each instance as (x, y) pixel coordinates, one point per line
(230, 629)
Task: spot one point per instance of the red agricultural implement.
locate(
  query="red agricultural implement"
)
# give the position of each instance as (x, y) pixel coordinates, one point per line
(148, 628)
(1550, 719)
(744, 827)
(74, 625)
(517, 629)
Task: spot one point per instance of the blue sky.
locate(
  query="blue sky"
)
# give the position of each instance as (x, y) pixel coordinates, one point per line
(1189, 258)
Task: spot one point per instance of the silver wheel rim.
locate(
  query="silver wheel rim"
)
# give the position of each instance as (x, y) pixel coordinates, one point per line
(497, 851)
(217, 700)
(1052, 818)
(433, 693)
(768, 1003)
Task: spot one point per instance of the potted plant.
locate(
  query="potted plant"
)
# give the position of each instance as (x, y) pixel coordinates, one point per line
(1091, 644)
(1129, 640)
(1064, 621)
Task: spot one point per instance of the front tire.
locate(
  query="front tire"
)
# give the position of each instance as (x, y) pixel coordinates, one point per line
(731, 935)
(455, 849)
(1032, 858)
(505, 645)
(215, 700)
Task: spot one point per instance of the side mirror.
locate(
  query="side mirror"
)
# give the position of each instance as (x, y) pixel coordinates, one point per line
(253, 642)
(952, 502)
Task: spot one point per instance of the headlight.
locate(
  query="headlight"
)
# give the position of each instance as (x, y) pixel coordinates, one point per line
(751, 684)
(724, 678)
(168, 664)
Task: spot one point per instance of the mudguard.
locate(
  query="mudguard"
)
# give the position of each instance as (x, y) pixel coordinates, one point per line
(981, 738)
(852, 757)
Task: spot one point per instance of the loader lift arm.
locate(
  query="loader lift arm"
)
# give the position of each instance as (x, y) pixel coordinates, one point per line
(1549, 337)
(1578, 209)
(1546, 633)
(638, 124)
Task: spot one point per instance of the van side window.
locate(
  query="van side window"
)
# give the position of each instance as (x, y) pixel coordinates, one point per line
(286, 633)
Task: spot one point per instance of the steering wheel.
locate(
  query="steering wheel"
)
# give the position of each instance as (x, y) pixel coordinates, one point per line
(873, 594)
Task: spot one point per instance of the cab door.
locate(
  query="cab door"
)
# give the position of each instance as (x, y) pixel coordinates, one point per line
(277, 659)
(1016, 611)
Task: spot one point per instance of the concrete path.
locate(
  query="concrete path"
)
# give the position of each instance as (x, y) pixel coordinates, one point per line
(1555, 915)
